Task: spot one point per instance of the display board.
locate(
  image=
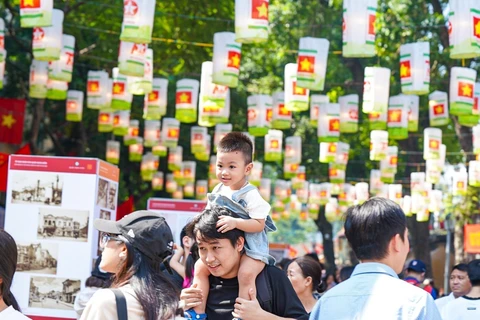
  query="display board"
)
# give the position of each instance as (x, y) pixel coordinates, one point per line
(51, 203)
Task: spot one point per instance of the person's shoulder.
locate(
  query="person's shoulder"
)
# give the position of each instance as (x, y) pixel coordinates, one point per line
(274, 271)
(103, 296)
(11, 314)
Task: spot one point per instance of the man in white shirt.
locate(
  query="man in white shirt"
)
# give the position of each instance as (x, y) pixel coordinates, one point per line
(466, 307)
(377, 232)
(459, 284)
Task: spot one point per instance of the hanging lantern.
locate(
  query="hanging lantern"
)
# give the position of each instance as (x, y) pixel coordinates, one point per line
(376, 183)
(474, 173)
(376, 88)
(347, 196)
(175, 158)
(204, 156)
(407, 206)
(209, 115)
(259, 114)
(432, 174)
(97, 85)
(290, 170)
(57, 90)
(293, 149)
(255, 174)
(135, 150)
(377, 120)
(155, 104)
(299, 179)
(113, 151)
(251, 21)
(273, 145)
(265, 189)
(221, 130)
(151, 133)
(36, 13)
(324, 192)
(213, 99)
(189, 170)
(315, 193)
(388, 166)
(282, 190)
(413, 112)
(435, 201)
(105, 121)
(341, 157)
(121, 121)
(378, 145)
(226, 59)
(383, 193)
(281, 117)
(460, 183)
(359, 28)
(198, 139)
(328, 129)
(438, 108)
(476, 139)
(74, 106)
(121, 98)
(328, 152)
(473, 119)
(38, 79)
(463, 29)
(143, 85)
(252, 139)
(147, 166)
(431, 143)
(398, 117)
(137, 23)
(157, 181)
(201, 189)
(296, 98)
(212, 168)
(395, 193)
(302, 192)
(417, 182)
(317, 102)
(186, 99)
(171, 184)
(348, 113)
(462, 86)
(361, 192)
(131, 136)
(336, 175)
(159, 150)
(47, 41)
(312, 63)
(415, 67)
(170, 132)
(62, 69)
(131, 59)
(178, 194)
(2, 70)
(212, 183)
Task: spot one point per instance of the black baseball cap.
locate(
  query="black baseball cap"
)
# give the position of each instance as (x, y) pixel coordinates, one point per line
(146, 231)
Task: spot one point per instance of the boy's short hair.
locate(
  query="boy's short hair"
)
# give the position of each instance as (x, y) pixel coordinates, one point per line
(370, 227)
(474, 272)
(237, 141)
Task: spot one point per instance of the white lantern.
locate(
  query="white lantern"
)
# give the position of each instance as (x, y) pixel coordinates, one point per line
(157, 181)
(293, 149)
(62, 69)
(324, 192)
(312, 63)
(143, 85)
(476, 139)
(389, 164)
(121, 98)
(38, 79)
(105, 121)
(377, 120)
(2, 40)
(159, 150)
(348, 113)
(201, 189)
(415, 67)
(328, 129)
(186, 99)
(97, 87)
(302, 192)
(317, 102)
(407, 206)
(299, 179)
(171, 184)
(148, 166)
(198, 139)
(226, 59)
(155, 104)
(251, 21)
(265, 189)
(474, 173)
(332, 210)
(290, 170)
(47, 41)
(431, 143)
(151, 133)
(413, 112)
(361, 192)
(36, 13)
(398, 117)
(221, 130)
(189, 171)
(376, 89)
(175, 158)
(460, 183)
(57, 90)
(204, 156)
(189, 189)
(281, 117)
(375, 182)
(336, 175)
(378, 145)
(328, 152)
(131, 58)
(213, 98)
(462, 86)
(417, 182)
(359, 28)
(210, 115)
(395, 193)
(435, 202)
(2, 70)
(438, 108)
(471, 120)
(170, 132)
(113, 151)
(296, 98)
(282, 190)
(432, 174)
(74, 106)
(131, 136)
(347, 196)
(137, 23)
(464, 29)
(273, 145)
(256, 173)
(341, 158)
(259, 114)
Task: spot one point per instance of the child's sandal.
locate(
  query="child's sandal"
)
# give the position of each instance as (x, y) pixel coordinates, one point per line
(191, 314)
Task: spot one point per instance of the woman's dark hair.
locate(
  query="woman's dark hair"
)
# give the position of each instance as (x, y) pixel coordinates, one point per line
(284, 263)
(311, 268)
(8, 264)
(157, 295)
(96, 282)
(371, 226)
(192, 257)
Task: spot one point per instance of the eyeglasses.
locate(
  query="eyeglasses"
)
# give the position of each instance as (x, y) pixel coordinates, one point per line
(105, 238)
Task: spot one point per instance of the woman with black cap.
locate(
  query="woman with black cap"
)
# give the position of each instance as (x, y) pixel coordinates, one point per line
(133, 249)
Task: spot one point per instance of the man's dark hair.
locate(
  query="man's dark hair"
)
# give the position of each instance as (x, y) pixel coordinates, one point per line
(237, 141)
(205, 226)
(346, 273)
(370, 227)
(460, 267)
(474, 272)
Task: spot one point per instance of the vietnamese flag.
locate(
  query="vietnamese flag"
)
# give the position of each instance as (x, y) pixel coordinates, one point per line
(374, 115)
(460, 185)
(334, 125)
(393, 161)
(371, 24)
(12, 114)
(332, 172)
(118, 87)
(274, 144)
(465, 89)
(306, 64)
(332, 147)
(323, 194)
(116, 120)
(283, 111)
(301, 176)
(260, 9)
(93, 86)
(434, 144)
(234, 59)
(394, 116)
(294, 167)
(27, 4)
(252, 114)
(4, 165)
(172, 133)
(438, 109)
(298, 91)
(153, 96)
(405, 69)
(269, 114)
(476, 27)
(104, 117)
(184, 97)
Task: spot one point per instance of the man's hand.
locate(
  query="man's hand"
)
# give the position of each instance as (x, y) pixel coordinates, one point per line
(190, 297)
(248, 309)
(226, 223)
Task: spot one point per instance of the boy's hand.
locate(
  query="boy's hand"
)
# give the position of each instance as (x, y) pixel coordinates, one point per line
(226, 223)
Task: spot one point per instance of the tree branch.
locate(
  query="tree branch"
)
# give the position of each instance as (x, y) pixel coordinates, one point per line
(38, 115)
(58, 145)
(11, 28)
(437, 8)
(67, 9)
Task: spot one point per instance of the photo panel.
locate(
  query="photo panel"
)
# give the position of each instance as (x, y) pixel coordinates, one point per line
(53, 293)
(62, 224)
(37, 257)
(42, 188)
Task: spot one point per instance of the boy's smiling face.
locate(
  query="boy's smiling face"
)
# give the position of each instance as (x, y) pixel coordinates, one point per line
(232, 170)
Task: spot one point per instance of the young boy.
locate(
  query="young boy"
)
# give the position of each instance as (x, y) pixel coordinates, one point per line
(234, 164)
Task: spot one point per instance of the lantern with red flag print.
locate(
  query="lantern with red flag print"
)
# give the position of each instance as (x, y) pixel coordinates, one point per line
(57, 90)
(376, 183)
(348, 113)
(36, 13)
(74, 106)
(121, 98)
(431, 143)
(133, 130)
(341, 158)
(312, 63)
(97, 87)
(214, 104)
(378, 145)
(157, 181)
(359, 28)
(476, 139)
(105, 121)
(293, 149)
(281, 118)
(395, 193)
(221, 130)
(137, 23)
(296, 98)
(335, 175)
(376, 87)
(328, 152)
(256, 173)
(317, 102)
(148, 166)
(438, 108)
(155, 104)
(464, 29)
(47, 41)
(290, 170)
(415, 67)
(175, 158)
(398, 117)
(471, 120)
(474, 173)
(131, 58)
(226, 59)
(143, 85)
(259, 113)
(413, 112)
(462, 86)
(299, 179)
(460, 180)
(186, 98)
(198, 139)
(113, 151)
(328, 129)
(62, 69)
(201, 189)
(251, 21)
(170, 132)
(151, 135)
(273, 145)
(38, 79)
(171, 184)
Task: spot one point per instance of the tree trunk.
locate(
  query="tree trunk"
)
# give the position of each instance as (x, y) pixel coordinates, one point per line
(38, 114)
(326, 229)
(458, 242)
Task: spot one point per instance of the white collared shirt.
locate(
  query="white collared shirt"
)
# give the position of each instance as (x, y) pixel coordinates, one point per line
(442, 302)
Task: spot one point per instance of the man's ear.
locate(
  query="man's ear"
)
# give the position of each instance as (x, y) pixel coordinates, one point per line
(248, 168)
(240, 244)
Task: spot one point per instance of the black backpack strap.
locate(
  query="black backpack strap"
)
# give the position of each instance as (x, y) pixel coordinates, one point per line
(264, 291)
(121, 304)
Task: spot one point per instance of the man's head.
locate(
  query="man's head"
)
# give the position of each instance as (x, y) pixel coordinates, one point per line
(459, 282)
(474, 272)
(220, 252)
(377, 231)
(234, 159)
(416, 268)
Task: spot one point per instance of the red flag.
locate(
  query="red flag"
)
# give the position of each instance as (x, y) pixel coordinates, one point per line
(125, 208)
(183, 97)
(306, 64)
(260, 9)
(405, 69)
(4, 165)
(233, 59)
(27, 4)
(12, 114)
(371, 24)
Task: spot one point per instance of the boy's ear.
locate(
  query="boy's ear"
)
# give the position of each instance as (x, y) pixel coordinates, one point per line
(248, 168)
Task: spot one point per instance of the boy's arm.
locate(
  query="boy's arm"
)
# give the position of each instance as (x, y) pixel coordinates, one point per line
(226, 223)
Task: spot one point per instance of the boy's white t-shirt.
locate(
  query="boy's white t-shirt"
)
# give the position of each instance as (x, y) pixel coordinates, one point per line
(257, 207)
(462, 309)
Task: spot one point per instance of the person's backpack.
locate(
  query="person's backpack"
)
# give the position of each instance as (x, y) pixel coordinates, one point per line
(264, 291)
(122, 312)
